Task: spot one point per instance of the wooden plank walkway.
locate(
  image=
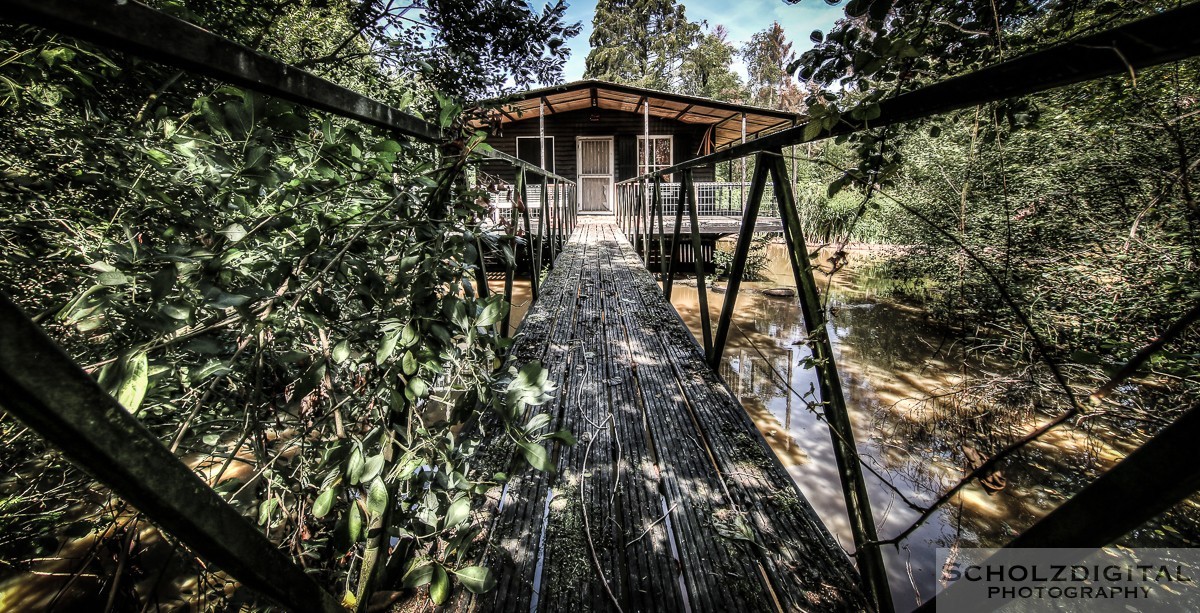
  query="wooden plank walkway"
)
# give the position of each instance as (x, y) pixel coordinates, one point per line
(671, 491)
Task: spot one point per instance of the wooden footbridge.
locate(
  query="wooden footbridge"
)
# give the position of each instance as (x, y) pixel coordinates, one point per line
(671, 500)
(671, 493)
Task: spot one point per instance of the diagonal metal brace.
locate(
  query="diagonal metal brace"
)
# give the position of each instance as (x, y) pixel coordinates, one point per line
(133, 27)
(45, 389)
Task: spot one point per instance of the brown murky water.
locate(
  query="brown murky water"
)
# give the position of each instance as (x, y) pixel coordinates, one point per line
(522, 299)
(898, 371)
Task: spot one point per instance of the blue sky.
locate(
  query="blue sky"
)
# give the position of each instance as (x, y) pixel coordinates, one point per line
(741, 17)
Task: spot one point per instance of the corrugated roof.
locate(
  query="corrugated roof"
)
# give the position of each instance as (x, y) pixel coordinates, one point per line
(725, 117)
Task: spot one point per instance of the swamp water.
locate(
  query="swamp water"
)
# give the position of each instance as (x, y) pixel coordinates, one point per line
(903, 378)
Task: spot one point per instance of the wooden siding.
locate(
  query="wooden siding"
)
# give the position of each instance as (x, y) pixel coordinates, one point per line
(623, 127)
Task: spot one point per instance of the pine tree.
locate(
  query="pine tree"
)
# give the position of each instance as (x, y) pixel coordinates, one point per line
(640, 42)
(706, 69)
(767, 56)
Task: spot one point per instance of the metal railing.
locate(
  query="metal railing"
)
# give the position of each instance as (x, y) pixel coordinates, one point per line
(713, 198)
(44, 388)
(1166, 37)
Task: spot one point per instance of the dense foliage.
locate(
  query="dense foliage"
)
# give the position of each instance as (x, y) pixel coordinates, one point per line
(1056, 231)
(285, 299)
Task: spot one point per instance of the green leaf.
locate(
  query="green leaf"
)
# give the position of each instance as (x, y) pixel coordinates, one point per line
(492, 313)
(133, 387)
(324, 502)
(354, 524)
(529, 387)
(538, 422)
(536, 455)
(211, 369)
(419, 573)
(407, 263)
(458, 512)
(417, 388)
(389, 146)
(811, 130)
(476, 579)
(51, 56)
(386, 348)
(439, 589)
(371, 468)
(177, 310)
(265, 510)
(341, 351)
(566, 437)
(354, 469)
(210, 439)
(408, 363)
(409, 336)
(377, 498)
(233, 232)
(112, 278)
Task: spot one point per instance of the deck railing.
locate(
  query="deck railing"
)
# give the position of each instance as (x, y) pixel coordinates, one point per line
(713, 198)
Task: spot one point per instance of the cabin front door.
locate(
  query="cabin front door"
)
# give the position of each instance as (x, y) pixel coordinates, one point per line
(595, 173)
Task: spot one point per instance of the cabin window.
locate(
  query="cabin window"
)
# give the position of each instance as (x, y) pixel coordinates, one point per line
(527, 150)
(660, 154)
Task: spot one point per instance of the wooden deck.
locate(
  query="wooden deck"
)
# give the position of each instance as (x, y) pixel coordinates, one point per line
(671, 491)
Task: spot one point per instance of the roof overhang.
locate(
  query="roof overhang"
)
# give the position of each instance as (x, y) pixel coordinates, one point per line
(724, 117)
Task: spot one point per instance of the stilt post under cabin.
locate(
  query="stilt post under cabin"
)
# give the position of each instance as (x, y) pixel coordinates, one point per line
(737, 270)
(658, 207)
(523, 191)
(509, 264)
(670, 280)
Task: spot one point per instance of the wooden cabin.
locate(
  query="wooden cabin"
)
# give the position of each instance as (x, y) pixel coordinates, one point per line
(595, 133)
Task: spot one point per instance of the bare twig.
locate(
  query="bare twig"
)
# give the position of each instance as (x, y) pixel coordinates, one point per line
(652, 525)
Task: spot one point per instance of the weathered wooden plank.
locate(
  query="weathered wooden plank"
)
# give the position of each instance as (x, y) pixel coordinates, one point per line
(515, 527)
(535, 495)
(653, 580)
(667, 467)
(587, 470)
(690, 484)
(803, 563)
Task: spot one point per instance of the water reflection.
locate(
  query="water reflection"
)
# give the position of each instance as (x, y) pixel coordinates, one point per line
(904, 381)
